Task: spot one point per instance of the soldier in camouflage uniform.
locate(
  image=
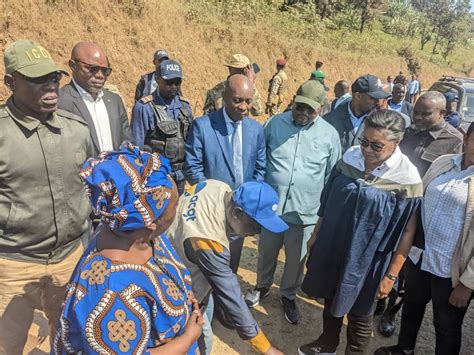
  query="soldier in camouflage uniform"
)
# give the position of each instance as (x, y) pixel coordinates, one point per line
(277, 88)
(238, 64)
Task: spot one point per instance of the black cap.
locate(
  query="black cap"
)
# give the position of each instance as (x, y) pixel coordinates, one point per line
(370, 85)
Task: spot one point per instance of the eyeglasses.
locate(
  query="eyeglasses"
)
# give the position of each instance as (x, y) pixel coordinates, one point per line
(376, 147)
(94, 69)
(54, 77)
(175, 82)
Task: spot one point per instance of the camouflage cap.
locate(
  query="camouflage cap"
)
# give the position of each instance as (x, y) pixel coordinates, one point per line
(238, 61)
(29, 59)
(311, 93)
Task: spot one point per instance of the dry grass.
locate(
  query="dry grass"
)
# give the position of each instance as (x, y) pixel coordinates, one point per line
(130, 31)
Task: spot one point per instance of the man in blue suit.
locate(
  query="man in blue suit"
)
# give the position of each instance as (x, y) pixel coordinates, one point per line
(227, 145)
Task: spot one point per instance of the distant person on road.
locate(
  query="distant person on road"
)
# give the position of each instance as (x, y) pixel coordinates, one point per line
(452, 116)
(277, 88)
(238, 64)
(367, 95)
(397, 102)
(342, 93)
(413, 90)
(207, 213)
(390, 82)
(161, 121)
(85, 96)
(148, 83)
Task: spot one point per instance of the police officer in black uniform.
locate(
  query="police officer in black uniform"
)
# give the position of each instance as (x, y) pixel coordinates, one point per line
(161, 121)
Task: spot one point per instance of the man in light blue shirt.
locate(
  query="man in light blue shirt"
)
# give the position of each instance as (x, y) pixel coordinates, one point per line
(302, 149)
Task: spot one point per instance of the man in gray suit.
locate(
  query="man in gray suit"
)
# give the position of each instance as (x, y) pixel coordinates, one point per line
(85, 96)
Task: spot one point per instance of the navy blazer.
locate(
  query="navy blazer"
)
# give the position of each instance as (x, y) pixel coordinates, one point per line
(209, 152)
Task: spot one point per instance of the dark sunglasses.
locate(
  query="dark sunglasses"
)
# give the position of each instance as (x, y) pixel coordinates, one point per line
(376, 147)
(171, 82)
(54, 77)
(94, 69)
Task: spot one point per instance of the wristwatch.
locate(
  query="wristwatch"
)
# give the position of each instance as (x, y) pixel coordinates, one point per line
(391, 277)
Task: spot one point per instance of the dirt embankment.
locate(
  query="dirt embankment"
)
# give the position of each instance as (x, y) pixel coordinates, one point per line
(131, 30)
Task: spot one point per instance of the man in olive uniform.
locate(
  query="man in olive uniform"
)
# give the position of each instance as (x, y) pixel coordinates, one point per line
(238, 64)
(43, 207)
(277, 88)
(160, 121)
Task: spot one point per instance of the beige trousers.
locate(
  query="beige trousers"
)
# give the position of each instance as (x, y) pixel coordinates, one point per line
(25, 287)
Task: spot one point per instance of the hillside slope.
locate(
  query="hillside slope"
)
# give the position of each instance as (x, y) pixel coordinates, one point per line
(200, 38)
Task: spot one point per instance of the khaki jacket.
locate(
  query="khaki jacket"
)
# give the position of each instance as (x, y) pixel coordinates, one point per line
(43, 206)
(463, 261)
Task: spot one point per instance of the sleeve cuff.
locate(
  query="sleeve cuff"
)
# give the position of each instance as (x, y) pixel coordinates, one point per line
(260, 342)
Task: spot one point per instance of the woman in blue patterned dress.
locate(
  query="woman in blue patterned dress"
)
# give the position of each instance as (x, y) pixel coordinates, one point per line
(129, 293)
(365, 230)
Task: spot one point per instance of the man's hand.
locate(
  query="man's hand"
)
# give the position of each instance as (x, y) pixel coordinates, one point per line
(460, 296)
(273, 351)
(385, 287)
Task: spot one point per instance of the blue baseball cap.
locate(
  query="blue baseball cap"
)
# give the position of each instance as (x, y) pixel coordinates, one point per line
(170, 69)
(260, 201)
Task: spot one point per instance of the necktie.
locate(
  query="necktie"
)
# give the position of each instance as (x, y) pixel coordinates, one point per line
(237, 155)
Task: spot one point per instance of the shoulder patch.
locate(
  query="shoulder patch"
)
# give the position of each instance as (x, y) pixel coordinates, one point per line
(146, 99)
(70, 116)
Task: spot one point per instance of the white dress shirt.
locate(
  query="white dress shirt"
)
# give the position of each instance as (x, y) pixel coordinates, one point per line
(230, 127)
(100, 117)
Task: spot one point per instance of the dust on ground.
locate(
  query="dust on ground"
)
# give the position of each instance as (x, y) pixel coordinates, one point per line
(283, 335)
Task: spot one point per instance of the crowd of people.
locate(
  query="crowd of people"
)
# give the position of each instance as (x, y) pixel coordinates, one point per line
(128, 234)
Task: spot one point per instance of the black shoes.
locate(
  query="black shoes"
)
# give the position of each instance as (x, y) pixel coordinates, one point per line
(315, 348)
(292, 314)
(387, 324)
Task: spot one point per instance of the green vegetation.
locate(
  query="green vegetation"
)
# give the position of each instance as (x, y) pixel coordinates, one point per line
(439, 31)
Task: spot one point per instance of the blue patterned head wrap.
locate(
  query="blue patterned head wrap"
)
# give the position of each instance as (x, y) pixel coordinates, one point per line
(129, 188)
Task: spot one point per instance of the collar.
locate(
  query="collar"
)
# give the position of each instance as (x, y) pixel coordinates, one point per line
(391, 103)
(228, 119)
(354, 157)
(85, 94)
(436, 131)
(174, 103)
(29, 122)
(394, 158)
(352, 115)
(345, 96)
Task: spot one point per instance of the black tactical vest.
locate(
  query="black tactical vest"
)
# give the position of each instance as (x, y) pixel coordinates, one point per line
(169, 136)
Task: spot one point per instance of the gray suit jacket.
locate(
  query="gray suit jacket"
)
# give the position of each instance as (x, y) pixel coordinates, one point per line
(70, 100)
